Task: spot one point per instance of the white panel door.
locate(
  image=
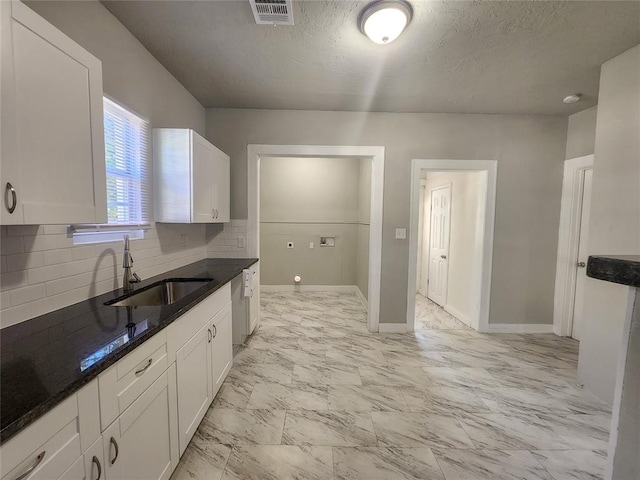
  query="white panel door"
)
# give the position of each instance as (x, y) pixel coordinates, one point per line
(194, 383)
(439, 244)
(52, 124)
(583, 243)
(222, 347)
(202, 181)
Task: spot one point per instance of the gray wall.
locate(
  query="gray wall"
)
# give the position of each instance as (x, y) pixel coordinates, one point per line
(581, 133)
(615, 217)
(41, 269)
(530, 151)
(302, 199)
(130, 74)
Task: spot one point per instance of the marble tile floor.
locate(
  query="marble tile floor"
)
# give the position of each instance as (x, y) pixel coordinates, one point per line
(314, 396)
(431, 316)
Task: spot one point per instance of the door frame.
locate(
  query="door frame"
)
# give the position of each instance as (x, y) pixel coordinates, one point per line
(568, 239)
(376, 154)
(479, 321)
(430, 191)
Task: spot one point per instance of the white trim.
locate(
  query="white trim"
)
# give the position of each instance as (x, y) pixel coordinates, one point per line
(376, 154)
(480, 320)
(392, 328)
(520, 328)
(308, 288)
(361, 297)
(463, 318)
(568, 239)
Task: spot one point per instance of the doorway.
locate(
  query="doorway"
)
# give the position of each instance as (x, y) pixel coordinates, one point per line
(376, 155)
(573, 247)
(439, 274)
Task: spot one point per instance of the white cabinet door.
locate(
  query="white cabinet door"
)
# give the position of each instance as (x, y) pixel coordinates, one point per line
(137, 446)
(202, 190)
(194, 383)
(222, 347)
(222, 190)
(52, 117)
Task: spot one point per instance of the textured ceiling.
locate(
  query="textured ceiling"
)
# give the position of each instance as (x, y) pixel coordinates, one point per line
(455, 56)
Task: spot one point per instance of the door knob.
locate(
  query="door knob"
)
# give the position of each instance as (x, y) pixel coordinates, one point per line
(581, 265)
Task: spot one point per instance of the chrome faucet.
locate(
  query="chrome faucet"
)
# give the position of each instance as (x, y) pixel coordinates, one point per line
(127, 261)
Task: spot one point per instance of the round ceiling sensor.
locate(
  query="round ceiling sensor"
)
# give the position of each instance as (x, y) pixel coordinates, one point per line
(572, 98)
(383, 21)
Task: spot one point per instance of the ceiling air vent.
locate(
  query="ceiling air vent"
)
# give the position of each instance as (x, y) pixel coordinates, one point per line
(272, 12)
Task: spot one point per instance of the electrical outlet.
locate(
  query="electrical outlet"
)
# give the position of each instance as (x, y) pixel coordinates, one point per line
(289, 244)
(240, 242)
(311, 245)
(401, 233)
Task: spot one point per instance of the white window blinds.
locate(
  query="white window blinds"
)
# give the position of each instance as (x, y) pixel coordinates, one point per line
(126, 138)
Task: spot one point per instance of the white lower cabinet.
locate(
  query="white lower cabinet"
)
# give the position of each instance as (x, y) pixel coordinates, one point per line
(138, 444)
(222, 347)
(146, 405)
(193, 362)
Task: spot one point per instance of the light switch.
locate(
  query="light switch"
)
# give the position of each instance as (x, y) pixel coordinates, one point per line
(401, 233)
(311, 245)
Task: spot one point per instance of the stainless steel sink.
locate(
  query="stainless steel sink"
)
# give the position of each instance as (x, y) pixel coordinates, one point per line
(165, 292)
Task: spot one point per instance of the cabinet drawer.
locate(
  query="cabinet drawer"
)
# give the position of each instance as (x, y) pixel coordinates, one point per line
(121, 384)
(47, 448)
(183, 329)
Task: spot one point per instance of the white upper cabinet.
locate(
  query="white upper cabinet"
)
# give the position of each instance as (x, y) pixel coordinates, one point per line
(52, 156)
(191, 178)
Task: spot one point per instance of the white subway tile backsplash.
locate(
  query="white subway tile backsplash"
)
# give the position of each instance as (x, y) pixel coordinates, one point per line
(9, 281)
(24, 230)
(24, 261)
(43, 274)
(54, 257)
(27, 294)
(11, 245)
(13, 315)
(55, 229)
(43, 271)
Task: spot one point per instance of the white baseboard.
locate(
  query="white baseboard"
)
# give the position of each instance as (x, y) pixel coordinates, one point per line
(520, 328)
(392, 328)
(463, 318)
(361, 297)
(307, 288)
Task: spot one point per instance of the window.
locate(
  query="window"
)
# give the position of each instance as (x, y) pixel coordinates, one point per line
(126, 141)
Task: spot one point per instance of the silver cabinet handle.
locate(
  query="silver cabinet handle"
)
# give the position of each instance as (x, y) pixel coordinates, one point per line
(581, 265)
(36, 463)
(115, 445)
(210, 335)
(215, 331)
(96, 462)
(14, 200)
(143, 369)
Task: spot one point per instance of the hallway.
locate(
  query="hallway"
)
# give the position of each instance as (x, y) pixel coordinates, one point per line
(315, 396)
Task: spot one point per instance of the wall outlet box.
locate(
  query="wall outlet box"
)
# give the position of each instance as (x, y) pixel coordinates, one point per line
(289, 244)
(401, 233)
(241, 242)
(311, 245)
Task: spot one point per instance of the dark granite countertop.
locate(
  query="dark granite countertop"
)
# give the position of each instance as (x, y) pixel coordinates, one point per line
(623, 269)
(45, 359)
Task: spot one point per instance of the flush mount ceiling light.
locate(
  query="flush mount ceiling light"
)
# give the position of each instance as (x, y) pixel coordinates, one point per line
(572, 98)
(383, 21)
